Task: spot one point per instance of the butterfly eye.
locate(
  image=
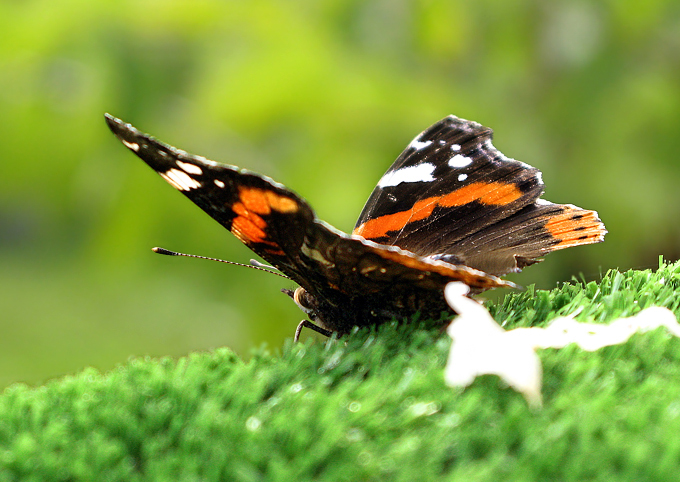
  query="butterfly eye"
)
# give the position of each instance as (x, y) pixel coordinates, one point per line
(303, 300)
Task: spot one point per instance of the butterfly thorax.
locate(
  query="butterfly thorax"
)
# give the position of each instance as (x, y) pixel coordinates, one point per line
(341, 313)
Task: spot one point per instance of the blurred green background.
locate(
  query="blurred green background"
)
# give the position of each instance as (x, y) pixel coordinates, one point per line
(319, 95)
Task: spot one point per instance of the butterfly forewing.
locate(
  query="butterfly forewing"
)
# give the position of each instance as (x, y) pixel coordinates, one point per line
(452, 195)
(268, 218)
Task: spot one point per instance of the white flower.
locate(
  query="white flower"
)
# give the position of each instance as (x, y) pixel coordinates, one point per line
(482, 347)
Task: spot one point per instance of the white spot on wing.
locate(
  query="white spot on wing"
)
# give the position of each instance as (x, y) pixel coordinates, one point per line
(131, 145)
(418, 173)
(459, 161)
(180, 180)
(455, 147)
(417, 145)
(190, 168)
(219, 183)
(171, 181)
(462, 177)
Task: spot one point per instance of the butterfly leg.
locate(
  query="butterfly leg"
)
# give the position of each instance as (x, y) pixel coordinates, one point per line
(310, 325)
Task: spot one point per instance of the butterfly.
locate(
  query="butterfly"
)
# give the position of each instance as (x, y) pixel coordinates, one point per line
(450, 208)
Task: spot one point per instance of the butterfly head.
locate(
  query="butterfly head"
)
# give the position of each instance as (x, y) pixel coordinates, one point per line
(305, 301)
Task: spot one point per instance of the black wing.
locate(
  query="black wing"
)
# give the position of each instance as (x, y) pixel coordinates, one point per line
(451, 195)
(268, 218)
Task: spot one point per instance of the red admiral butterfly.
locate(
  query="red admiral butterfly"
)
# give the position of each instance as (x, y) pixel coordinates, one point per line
(450, 208)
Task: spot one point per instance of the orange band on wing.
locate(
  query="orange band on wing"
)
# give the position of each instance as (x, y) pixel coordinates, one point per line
(491, 193)
(261, 201)
(248, 225)
(254, 200)
(242, 212)
(574, 227)
(246, 231)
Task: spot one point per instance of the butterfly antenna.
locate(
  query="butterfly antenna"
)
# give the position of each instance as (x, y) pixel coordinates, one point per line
(257, 264)
(254, 264)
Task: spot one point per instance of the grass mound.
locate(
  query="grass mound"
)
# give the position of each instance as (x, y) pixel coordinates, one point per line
(372, 406)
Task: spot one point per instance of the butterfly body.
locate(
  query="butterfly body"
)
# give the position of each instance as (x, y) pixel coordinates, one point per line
(451, 208)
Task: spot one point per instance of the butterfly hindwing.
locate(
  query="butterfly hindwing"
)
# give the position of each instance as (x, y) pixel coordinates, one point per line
(526, 236)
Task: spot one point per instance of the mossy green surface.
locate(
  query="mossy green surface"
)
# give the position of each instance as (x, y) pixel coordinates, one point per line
(373, 406)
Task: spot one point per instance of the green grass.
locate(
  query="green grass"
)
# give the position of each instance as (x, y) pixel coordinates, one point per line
(373, 406)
